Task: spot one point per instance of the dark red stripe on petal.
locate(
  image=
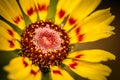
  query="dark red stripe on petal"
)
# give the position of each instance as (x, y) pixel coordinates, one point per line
(42, 7)
(30, 11)
(79, 56)
(11, 43)
(80, 37)
(25, 63)
(16, 19)
(72, 21)
(10, 32)
(61, 13)
(73, 65)
(77, 30)
(57, 72)
(33, 72)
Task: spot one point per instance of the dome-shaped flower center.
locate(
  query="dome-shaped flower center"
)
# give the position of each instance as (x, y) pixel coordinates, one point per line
(47, 39)
(45, 43)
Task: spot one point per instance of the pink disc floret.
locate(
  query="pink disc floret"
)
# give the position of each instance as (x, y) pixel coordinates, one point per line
(47, 39)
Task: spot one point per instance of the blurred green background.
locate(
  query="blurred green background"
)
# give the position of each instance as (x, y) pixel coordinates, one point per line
(110, 44)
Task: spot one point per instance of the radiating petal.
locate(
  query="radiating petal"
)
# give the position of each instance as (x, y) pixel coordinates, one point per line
(97, 18)
(21, 68)
(19, 75)
(92, 71)
(94, 27)
(9, 44)
(7, 31)
(104, 32)
(80, 12)
(65, 7)
(8, 37)
(34, 74)
(11, 12)
(94, 55)
(42, 8)
(17, 67)
(29, 9)
(17, 64)
(59, 74)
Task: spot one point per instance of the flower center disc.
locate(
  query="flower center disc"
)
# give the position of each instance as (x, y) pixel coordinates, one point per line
(45, 43)
(47, 39)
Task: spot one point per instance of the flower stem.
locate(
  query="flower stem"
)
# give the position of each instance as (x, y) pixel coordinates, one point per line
(45, 73)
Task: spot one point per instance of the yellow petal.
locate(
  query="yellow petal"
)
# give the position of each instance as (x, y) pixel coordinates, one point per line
(8, 37)
(94, 55)
(92, 71)
(17, 64)
(97, 18)
(104, 32)
(19, 75)
(80, 12)
(9, 44)
(59, 74)
(42, 8)
(65, 7)
(94, 27)
(7, 32)
(28, 7)
(11, 12)
(17, 67)
(34, 74)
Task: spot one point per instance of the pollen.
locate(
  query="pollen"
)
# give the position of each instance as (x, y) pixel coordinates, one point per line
(45, 43)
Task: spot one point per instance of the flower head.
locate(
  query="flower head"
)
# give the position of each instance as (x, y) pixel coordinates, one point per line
(44, 32)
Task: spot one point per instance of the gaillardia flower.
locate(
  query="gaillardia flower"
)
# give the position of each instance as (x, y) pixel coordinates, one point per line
(43, 33)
